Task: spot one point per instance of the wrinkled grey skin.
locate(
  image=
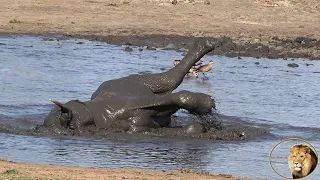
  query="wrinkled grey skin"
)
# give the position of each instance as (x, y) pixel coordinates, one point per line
(137, 102)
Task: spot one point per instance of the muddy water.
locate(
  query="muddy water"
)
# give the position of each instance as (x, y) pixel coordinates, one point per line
(260, 92)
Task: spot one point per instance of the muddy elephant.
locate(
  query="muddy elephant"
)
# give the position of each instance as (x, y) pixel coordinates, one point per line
(137, 102)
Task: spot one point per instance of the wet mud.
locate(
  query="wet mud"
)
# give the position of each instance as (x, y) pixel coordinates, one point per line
(275, 47)
(216, 127)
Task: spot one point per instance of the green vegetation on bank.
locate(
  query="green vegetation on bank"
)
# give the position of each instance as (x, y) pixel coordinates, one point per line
(10, 171)
(14, 21)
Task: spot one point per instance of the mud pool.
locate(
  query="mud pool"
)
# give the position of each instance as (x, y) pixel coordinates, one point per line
(259, 92)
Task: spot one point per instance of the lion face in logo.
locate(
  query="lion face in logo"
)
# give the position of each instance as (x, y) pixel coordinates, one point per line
(302, 161)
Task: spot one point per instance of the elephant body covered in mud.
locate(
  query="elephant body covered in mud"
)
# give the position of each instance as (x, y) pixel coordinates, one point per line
(137, 102)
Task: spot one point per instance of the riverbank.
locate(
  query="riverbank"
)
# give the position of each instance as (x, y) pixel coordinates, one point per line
(13, 170)
(261, 28)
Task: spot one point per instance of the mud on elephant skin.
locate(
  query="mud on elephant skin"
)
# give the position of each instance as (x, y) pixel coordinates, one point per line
(137, 102)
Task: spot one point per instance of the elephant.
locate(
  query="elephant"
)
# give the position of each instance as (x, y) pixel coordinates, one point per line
(137, 102)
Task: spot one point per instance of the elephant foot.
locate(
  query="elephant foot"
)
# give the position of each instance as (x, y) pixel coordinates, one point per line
(195, 103)
(194, 128)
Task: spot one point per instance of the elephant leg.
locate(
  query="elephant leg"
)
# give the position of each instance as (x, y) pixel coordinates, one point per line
(162, 83)
(168, 104)
(141, 121)
(163, 121)
(196, 103)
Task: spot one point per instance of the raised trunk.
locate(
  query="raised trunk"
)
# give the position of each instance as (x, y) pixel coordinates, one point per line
(170, 80)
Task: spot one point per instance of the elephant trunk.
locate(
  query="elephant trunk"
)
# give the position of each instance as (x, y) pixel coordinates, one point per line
(168, 81)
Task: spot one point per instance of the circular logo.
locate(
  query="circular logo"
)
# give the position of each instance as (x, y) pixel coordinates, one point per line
(293, 158)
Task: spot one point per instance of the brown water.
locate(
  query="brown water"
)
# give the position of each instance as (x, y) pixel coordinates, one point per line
(268, 94)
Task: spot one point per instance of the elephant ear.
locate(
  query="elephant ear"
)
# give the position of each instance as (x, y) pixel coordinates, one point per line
(64, 109)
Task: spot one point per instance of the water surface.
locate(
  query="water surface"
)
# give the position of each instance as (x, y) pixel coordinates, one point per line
(269, 93)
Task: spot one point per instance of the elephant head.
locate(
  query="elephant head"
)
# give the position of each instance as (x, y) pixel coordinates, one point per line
(63, 115)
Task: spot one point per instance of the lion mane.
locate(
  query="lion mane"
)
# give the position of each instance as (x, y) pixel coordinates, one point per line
(302, 161)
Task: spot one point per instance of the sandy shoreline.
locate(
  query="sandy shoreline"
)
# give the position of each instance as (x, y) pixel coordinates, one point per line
(261, 28)
(13, 170)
